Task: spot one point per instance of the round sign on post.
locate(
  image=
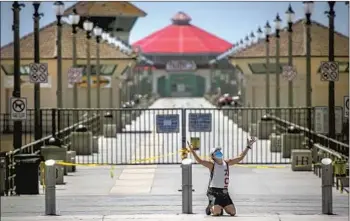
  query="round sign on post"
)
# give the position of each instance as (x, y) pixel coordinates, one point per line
(18, 108)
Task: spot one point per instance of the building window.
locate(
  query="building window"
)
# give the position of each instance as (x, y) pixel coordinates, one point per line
(261, 68)
(25, 69)
(343, 67)
(9, 69)
(104, 69)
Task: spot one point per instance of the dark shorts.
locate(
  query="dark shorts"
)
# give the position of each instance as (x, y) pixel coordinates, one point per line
(219, 196)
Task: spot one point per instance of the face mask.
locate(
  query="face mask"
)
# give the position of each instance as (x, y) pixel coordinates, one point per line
(218, 155)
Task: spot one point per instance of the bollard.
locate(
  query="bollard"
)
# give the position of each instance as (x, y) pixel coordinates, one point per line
(50, 187)
(186, 167)
(327, 184)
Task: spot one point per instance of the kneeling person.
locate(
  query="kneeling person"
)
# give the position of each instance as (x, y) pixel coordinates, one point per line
(219, 198)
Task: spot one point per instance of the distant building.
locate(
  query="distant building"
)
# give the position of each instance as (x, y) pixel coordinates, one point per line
(181, 53)
(117, 18)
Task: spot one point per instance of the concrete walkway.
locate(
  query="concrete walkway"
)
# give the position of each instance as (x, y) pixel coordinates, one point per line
(194, 217)
(149, 189)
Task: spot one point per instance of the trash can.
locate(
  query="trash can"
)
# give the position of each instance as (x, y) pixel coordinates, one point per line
(265, 127)
(81, 140)
(2, 175)
(27, 173)
(291, 140)
(55, 150)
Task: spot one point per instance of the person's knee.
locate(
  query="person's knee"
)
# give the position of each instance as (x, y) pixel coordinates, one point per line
(216, 211)
(232, 213)
(231, 210)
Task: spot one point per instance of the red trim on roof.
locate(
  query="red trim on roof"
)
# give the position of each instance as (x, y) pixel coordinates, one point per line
(144, 68)
(182, 39)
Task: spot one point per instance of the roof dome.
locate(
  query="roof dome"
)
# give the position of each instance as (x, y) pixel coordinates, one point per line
(181, 37)
(181, 18)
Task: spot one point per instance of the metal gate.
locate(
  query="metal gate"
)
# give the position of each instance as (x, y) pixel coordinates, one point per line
(157, 136)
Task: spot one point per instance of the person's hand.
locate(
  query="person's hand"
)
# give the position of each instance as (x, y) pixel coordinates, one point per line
(251, 141)
(190, 147)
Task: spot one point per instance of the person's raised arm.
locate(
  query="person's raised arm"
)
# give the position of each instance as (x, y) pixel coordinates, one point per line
(238, 159)
(205, 163)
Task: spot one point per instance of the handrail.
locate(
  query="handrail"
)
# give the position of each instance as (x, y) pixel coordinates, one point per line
(313, 133)
(48, 137)
(330, 151)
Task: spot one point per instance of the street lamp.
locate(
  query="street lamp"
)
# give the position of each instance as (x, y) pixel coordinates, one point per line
(110, 39)
(278, 69)
(290, 18)
(17, 125)
(98, 34)
(308, 8)
(259, 33)
(252, 37)
(331, 102)
(267, 44)
(242, 44)
(74, 21)
(59, 9)
(105, 36)
(246, 40)
(88, 26)
(37, 118)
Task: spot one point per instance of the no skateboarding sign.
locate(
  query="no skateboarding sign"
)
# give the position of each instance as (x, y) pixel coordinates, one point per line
(18, 108)
(289, 73)
(38, 73)
(75, 75)
(329, 71)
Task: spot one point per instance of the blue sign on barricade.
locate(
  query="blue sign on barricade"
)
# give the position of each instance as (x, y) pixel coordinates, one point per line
(168, 123)
(199, 122)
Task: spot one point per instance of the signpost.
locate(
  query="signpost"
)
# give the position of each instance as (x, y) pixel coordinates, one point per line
(167, 123)
(329, 71)
(18, 108)
(38, 73)
(199, 122)
(321, 120)
(196, 143)
(346, 107)
(289, 72)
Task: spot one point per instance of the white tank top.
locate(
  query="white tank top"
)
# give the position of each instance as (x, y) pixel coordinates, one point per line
(221, 176)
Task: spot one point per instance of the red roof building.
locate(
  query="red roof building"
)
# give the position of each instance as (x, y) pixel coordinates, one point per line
(181, 37)
(180, 54)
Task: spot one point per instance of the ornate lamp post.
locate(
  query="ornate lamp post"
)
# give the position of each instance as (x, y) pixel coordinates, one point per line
(88, 26)
(331, 102)
(290, 18)
(246, 41)
(37, 117)
(252, 37)
(74, 20)
(308, 8)
(259, 33)
(17, 125)
(59, 9)
(278, 69)
(267, 44)
(98, 34)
